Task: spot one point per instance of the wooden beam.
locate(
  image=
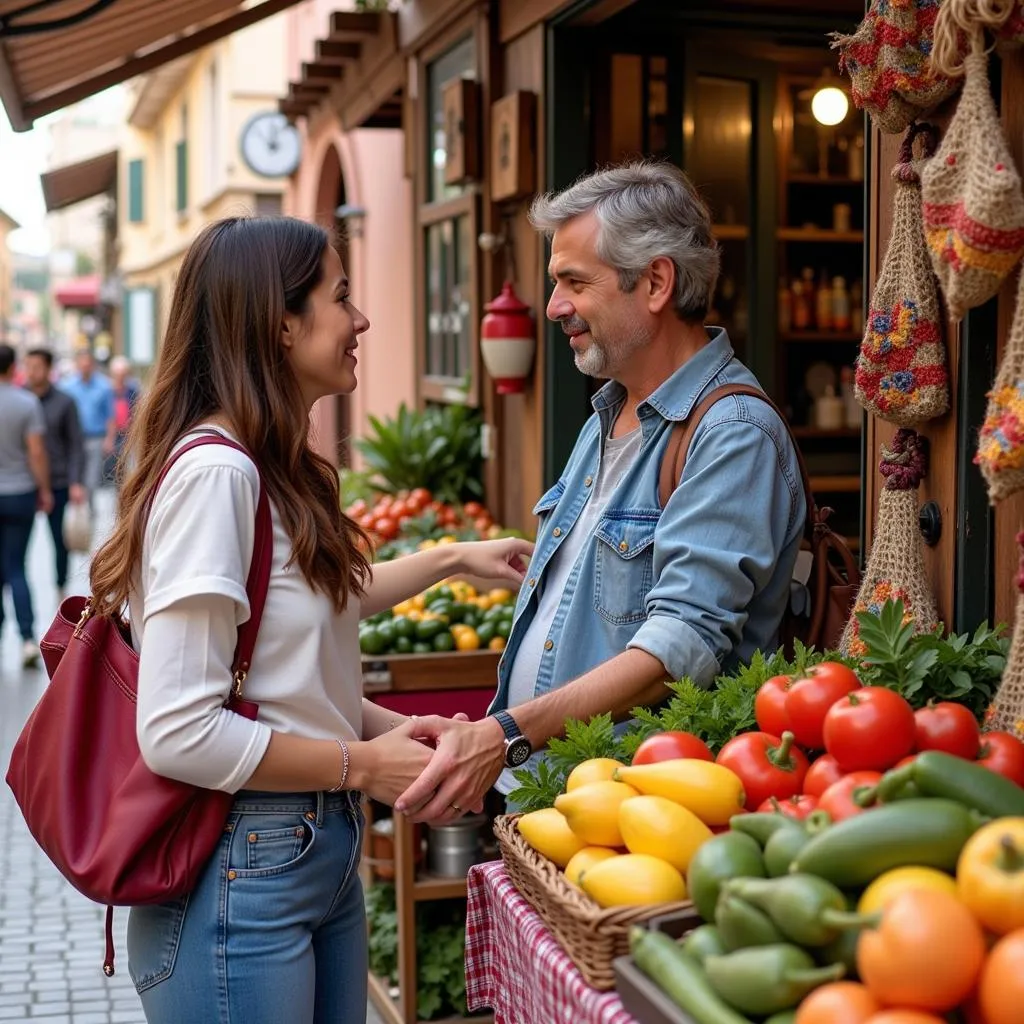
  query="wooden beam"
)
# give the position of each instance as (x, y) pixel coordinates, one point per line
(10, 95)
(351, 25)
(322, 72)
(319, 88)
(330, 51)
(154, 59)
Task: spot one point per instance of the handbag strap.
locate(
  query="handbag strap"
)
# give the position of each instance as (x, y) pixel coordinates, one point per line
(258, 580)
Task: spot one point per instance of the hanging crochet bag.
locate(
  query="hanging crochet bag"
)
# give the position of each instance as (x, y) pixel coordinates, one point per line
(1001, 441)
(972, 201)
(1006, 713)
(961, 25)
(887, 59)
(895, 569)
(901, 373)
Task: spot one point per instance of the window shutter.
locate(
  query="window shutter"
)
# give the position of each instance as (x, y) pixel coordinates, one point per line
(136, 209)
(181, 159)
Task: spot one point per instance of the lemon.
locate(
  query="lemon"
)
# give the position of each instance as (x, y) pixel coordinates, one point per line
(549, 834)
(662, 828)
(593, 811)
(886, 887)
(633, 879)
(585, 860)
(597, 769)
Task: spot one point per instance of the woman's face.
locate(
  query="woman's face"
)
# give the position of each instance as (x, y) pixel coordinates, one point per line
(322, 342)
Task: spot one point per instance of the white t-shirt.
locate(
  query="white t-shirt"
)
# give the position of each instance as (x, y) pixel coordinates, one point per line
(185, 610)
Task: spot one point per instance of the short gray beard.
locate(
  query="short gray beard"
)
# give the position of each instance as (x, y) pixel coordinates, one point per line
(594, 362)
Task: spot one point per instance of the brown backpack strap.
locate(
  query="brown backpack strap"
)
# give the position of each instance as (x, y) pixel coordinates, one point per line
(674, 459)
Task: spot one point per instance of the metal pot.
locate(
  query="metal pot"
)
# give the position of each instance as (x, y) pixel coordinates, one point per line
(453, 849)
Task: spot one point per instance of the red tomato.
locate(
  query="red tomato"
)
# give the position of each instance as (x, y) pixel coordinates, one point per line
(871, 728)
(368, 521)
(909, 759)
(482, 524)
(473, 509)
(766, 765)
(356, 509)
(1003, 753)
(949, 727)
(770, 705)
(399, 510)
(822, 773)
(420, 498)
(840, 798)
(386, 527)
(810, 698)
(667, 746)
(797, 807)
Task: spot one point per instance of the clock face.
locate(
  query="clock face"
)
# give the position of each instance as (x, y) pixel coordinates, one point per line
(270, 146)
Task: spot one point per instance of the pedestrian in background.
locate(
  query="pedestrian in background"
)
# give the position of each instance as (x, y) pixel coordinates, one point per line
(126, 393)
(24, 489)
(64, 448)
(94, 398)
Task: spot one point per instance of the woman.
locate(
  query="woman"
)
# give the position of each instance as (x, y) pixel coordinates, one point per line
(261, 326)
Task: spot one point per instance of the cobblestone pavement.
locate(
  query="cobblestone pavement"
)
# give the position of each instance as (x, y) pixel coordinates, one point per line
(51, 938)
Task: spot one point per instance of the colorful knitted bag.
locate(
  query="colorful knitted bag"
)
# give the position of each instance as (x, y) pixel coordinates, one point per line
(901, 373)
(1001, 441)
(1006, 712)
(972, 200)
(895, 569)
(887, 59)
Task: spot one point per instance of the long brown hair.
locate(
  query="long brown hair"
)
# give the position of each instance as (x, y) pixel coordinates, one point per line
(222, 355)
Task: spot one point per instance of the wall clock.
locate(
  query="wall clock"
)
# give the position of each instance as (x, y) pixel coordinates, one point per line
(271, 146)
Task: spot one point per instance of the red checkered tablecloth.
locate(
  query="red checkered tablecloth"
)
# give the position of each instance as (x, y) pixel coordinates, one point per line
(515, 966)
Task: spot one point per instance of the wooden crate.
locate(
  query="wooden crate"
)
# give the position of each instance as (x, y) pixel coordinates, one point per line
(460, 670)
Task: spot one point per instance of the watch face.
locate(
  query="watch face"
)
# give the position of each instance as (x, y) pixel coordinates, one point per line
(518, 752)
(271, 146)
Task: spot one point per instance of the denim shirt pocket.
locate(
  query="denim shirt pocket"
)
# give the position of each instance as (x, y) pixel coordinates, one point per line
(624, 571)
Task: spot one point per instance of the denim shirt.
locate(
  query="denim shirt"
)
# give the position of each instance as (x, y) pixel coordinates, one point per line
(700, 585)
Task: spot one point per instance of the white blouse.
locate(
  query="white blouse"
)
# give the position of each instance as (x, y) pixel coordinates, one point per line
(185, 610)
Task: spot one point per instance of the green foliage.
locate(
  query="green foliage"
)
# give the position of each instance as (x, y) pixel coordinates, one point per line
(440, 950)
(354, 484)
(437, 448)
(929, 666)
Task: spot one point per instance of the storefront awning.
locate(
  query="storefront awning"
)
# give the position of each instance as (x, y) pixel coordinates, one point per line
(57, 52)
(79, 292)
(358, 57)
(72, 183)
(7, 220)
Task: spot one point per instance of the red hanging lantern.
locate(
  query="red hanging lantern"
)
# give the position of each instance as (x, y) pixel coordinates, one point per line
(507, 341)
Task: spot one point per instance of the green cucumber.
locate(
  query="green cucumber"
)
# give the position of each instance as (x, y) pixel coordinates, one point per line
(760, 825)
(925, 832)
(935, 773)
(680, 977)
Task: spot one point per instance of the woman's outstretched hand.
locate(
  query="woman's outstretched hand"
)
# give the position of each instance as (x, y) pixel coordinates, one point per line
(504, 559)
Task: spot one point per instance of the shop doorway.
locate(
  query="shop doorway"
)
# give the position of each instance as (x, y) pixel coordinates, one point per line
(726, 93)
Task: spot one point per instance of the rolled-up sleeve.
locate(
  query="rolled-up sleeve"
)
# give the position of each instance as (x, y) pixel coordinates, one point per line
(716, 545)
(200, 541)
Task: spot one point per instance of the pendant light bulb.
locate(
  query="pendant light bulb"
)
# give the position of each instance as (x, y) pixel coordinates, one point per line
(829, 105)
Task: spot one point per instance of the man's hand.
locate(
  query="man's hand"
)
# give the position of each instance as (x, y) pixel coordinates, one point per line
(77, 494)
(108, 446)
(469, 758)
(44, 500)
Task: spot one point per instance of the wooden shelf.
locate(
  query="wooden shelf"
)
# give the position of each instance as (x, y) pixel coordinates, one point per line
(817, 179)
(819, 432)
(407, 673)
(846, 483)
(840, 337)
(818, 235)
(730, 232)
(380, 996)
(429, 887)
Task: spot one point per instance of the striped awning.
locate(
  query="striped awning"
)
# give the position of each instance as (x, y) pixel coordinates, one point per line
(57, 52)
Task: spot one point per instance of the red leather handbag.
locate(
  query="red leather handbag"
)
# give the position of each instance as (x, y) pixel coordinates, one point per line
(120, 834)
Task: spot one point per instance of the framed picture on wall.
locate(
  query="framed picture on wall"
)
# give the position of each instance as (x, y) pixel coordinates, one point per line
(513, 150)
(461, 98)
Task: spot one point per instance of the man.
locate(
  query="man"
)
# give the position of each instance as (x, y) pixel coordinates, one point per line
(94, 399)
(126, 394)
(621, 596)
(24, 489)
(64, 449)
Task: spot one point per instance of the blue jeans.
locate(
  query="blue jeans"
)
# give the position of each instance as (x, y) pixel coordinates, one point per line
(56, 520)
(274, 931)
(17, 514)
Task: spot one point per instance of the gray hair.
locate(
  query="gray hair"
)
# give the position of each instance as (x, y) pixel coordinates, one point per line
(644, 210)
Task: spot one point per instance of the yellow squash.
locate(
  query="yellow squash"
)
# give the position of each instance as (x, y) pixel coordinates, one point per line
(712, 792)
(890, 884)
(662, 828)
(597, 769)
(990, 875)
(549, 834)
(593, 811)
(634, 879)
(585, 860)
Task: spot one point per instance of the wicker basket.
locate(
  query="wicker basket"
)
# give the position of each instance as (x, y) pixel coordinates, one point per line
(592, 937)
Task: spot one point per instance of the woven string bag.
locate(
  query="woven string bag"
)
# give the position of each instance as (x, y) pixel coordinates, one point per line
(888, 61)
(901, 374)
(1000, 451)
(1007, 709)
(895, 569)
(973, 205)
(958, 24)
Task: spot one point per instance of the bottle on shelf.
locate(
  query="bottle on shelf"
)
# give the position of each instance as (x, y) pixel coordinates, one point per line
(857, 307)
(829, 410)
(823, 304)
(807, 278)
(785, 302)
(801, 307)
(840, 305)
(851, 406)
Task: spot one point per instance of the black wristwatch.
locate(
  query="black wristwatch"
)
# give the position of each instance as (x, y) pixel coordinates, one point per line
(517, 747)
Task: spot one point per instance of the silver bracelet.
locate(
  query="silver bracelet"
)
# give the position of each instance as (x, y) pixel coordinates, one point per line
(344, 767)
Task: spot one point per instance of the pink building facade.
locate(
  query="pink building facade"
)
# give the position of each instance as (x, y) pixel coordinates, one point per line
(363, 171)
